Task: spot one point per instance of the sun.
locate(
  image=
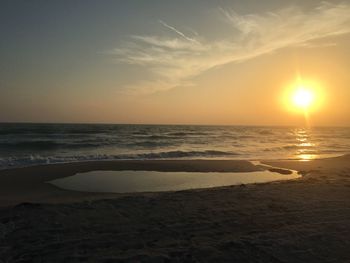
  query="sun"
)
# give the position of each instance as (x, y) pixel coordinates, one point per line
(303, 97)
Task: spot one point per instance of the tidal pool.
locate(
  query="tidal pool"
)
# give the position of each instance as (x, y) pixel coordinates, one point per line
(151, 181)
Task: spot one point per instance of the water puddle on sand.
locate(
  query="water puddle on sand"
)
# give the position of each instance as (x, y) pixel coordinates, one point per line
(151, 181)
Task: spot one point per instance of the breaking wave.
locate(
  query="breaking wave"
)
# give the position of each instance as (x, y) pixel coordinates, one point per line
(30, 160)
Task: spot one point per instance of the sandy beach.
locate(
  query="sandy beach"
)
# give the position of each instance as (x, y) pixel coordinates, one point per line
(301, 220)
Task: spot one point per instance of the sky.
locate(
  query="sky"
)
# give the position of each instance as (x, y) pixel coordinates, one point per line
(173, 62)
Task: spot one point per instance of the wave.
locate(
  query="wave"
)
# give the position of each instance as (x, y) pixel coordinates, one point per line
(44, 145)
(29, 160)
(182, 154)
(39, 129)
(189, 133)
(82, 143)
(151, 144)
(266, 132)
(34, 145)
(154, 137)
(27, 144)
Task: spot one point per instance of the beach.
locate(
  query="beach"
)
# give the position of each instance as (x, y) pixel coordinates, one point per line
(300, 220)
(175, 131)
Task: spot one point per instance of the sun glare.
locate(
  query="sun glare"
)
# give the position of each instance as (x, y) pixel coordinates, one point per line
(303, 98)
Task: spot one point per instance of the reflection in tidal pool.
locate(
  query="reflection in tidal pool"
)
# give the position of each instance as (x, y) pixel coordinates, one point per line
(150, 181)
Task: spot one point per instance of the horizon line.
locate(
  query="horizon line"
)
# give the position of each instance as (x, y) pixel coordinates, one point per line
(174, 124)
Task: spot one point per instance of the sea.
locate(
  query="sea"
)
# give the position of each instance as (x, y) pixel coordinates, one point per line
(27, 144)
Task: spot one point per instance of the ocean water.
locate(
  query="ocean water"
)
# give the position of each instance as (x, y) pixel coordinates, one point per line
(30, 144)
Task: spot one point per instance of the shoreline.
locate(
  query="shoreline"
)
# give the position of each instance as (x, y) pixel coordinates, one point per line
(295, 158)
(30, 184)
(302, 220)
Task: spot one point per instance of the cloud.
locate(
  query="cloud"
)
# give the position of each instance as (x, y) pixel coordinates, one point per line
(177, 31)
(174, 60)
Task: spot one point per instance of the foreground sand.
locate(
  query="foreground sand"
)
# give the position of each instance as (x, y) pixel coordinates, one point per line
(304, 220)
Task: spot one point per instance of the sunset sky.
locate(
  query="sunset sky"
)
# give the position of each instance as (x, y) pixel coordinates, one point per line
(173, 62)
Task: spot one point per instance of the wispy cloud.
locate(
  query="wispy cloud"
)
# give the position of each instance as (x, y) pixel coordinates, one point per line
(177, 31)
(173, 61)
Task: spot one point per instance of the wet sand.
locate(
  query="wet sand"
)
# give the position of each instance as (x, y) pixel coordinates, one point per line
(30, 184)
(302, 220)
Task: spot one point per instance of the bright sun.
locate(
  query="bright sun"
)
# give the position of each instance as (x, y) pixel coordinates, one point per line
(303, 97)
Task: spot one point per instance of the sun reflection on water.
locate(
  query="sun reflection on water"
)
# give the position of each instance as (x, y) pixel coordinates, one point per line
(305, 148)
(307, 157)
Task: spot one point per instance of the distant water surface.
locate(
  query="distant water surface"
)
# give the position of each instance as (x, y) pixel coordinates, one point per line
(29, 144)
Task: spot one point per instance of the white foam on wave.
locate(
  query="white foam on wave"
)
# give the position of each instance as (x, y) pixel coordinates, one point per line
(30, 160)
